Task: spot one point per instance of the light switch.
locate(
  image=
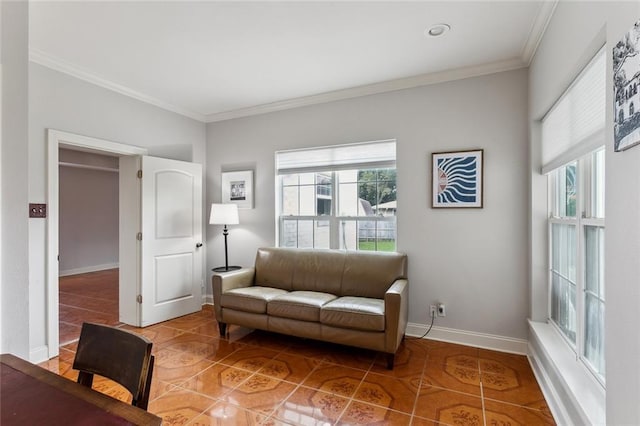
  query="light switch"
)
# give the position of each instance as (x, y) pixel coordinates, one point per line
(37, 210)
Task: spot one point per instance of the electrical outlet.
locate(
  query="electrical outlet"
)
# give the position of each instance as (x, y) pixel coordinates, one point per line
(441, 310)
(433, 311)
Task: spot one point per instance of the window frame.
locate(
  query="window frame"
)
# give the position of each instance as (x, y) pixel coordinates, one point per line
(333, 219)
(585, 217)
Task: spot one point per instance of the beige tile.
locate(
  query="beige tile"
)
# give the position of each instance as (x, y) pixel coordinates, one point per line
(498, 413)
(335, 379)
(179, 406)
(516, 387)
(457, 355)
(177, 367)
(388, 392)
(360, 413)
(311, 407)
(260, 394)
(223, 414)
(249, 358)
(449, 407)
(217, 381)
(291, 368)
(452, 377)
(409, 362)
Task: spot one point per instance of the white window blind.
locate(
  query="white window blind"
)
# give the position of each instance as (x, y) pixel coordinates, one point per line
(575, 124)
(367, 155)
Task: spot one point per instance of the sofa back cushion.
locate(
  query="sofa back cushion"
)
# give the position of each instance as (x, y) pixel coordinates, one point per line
(370, 274)
(319, 270)
(342, 273)
(274, 268)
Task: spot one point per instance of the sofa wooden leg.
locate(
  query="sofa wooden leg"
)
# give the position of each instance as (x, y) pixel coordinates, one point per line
(390, 361)
(223, 329)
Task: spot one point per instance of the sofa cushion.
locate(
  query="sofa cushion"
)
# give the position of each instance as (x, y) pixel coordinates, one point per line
(362, 313)
(274, 268)
(370, 274)
(300, 305)
(249, 299)
(318, 270)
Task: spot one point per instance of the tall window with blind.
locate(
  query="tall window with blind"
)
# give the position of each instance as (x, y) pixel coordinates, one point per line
(340, 197)
(573, 159)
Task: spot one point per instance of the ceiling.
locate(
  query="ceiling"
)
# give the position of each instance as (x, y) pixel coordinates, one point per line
(218, 60)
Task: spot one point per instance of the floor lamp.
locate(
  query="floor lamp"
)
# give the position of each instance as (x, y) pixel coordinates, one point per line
(224, 214)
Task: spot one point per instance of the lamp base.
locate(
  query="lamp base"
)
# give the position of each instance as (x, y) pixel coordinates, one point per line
(225, 269)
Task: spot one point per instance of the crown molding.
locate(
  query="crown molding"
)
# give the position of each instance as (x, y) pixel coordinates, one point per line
(372, 89)
(54, 63)
(538, 28)
(49, 61)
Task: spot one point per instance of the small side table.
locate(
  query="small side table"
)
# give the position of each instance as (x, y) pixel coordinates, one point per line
(226, 269)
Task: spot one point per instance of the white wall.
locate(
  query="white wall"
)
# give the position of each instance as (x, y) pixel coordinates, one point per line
(62, 102)
(88, 212)
(473, 260)
(15, 249)
(574, 35)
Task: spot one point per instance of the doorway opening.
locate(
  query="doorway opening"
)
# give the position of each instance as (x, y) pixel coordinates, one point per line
(88, 241)
(77, 143)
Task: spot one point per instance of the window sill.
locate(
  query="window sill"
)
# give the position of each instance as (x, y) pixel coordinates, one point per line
(574, 395)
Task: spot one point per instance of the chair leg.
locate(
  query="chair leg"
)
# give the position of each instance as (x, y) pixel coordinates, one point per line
(390, 361)
(223, 329)
(85, 379)
(144, 400)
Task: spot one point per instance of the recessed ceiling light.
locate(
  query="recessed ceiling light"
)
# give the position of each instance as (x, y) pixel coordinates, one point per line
(437, 30)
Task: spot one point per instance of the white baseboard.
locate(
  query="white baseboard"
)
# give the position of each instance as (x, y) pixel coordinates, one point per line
(470, 338)
(39, 354)
(86, 269)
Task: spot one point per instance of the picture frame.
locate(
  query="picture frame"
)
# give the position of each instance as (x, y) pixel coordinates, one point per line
(457, 179)
(626, 90)
(237, 188)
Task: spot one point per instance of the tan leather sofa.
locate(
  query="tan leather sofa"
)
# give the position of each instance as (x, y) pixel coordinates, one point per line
(346, 297)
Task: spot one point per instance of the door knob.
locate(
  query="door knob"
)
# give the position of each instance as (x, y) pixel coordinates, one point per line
(198, 245)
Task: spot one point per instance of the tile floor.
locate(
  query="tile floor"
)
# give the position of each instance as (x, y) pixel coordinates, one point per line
(89, 297)
(255, 377)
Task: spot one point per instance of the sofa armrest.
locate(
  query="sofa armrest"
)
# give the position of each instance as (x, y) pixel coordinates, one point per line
(229, 280)
(396, 311)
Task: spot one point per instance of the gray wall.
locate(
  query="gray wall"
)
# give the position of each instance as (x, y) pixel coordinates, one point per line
(473, 260)
(65, 103)
(88, 213)
(14, 285)
(561, 55)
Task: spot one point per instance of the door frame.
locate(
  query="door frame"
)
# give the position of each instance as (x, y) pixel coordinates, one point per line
(57, 139)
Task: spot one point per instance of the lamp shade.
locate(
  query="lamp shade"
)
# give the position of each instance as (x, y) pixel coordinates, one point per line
(224, 214)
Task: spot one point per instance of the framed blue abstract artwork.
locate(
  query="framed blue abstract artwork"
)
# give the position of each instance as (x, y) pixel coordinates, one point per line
(456, 179)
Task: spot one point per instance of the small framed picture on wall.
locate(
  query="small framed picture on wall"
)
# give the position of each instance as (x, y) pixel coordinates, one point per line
(626, 96)
(456, 179)
(237, 188)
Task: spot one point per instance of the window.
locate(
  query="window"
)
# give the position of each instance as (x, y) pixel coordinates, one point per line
(573, 157)
(341, 197)
(576, 229)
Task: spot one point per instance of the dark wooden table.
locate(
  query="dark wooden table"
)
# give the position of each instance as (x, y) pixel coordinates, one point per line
(31, 395)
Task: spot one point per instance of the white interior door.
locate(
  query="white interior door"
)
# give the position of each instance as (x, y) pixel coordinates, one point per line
(171, 240)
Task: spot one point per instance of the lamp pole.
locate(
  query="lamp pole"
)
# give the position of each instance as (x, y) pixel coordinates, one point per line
(225, 232)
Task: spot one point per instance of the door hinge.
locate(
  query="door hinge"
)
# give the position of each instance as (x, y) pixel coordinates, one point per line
(139, 174)
(139, 298)
(139, 236)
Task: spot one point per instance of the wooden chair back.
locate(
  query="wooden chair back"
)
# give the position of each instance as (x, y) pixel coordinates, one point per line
(118, 355)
